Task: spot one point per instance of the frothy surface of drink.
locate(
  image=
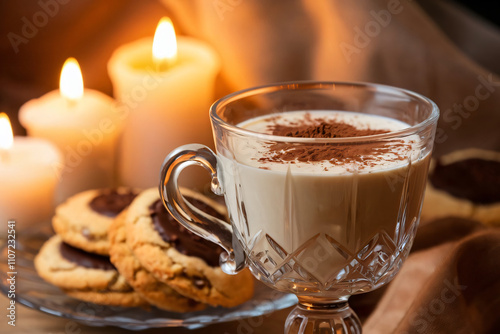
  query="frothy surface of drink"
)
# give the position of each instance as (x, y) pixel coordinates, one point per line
(332, 158)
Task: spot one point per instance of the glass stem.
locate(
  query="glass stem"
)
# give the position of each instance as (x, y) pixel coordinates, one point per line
(322, 317)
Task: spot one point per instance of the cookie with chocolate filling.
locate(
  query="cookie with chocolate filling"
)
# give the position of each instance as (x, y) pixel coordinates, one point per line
(83, 220)
(84, 275)
(464, 183)
(187, 263)
(155, 292)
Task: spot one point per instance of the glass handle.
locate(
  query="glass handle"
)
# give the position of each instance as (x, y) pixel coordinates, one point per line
(195, 220)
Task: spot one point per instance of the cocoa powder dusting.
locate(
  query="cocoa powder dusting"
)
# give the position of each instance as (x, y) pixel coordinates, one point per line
(323, 129)
(365, 154)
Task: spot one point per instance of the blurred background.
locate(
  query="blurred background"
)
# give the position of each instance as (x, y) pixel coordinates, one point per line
(37, 37)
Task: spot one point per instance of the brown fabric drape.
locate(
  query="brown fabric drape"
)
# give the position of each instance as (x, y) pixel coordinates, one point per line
(389, 42)
(449, 284)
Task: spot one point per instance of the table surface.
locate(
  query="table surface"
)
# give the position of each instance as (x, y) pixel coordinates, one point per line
(32, 321)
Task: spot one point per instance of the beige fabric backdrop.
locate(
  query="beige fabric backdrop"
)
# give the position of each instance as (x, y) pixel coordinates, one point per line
(390, 42)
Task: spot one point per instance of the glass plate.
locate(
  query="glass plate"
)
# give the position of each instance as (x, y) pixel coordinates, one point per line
(35, 293)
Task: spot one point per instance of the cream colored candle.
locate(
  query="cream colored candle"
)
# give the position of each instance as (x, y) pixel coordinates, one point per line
(83, 124)
(28, 177)
(166, 93)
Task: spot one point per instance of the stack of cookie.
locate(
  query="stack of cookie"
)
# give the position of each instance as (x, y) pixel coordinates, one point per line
(76, 259)
(121, 247)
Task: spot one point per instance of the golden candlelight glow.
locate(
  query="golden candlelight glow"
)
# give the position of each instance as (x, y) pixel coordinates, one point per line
(164, 43)
(6, 135)
(71, 82)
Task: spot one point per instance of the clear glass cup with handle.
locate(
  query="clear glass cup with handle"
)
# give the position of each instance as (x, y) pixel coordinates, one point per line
(318, 215)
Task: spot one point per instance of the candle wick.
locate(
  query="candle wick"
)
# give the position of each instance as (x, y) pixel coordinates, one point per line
(164, 64)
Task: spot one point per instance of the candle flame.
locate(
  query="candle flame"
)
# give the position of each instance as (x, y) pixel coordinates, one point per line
(71, 82)
(6, 135)
(164, 42)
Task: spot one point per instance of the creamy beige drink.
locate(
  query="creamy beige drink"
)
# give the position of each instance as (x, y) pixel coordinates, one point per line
(334, 212)
(323, 182)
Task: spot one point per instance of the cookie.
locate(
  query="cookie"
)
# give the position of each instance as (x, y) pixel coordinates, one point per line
(86, 276)
(177, 257)
(83, 220)
(155, 292)
(464, 183)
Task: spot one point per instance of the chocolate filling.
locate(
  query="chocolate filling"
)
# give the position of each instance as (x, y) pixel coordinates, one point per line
(111, 202)
(183, 240)
(85, 259)
(476, 180)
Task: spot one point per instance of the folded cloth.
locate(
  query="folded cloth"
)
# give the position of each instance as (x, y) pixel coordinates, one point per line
(449, 284)
(391, 42)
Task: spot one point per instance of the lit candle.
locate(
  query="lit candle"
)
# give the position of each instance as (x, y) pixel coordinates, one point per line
(28, 177)
(165, 84)
(83, 124)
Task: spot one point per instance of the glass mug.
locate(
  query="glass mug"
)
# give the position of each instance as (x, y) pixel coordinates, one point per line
(318, 233)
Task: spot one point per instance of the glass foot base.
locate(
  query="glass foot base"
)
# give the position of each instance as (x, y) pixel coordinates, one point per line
(309, 318)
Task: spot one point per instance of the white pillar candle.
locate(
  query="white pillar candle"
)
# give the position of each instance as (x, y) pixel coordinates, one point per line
(83, 124)
(28, 177)
(167, 95)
